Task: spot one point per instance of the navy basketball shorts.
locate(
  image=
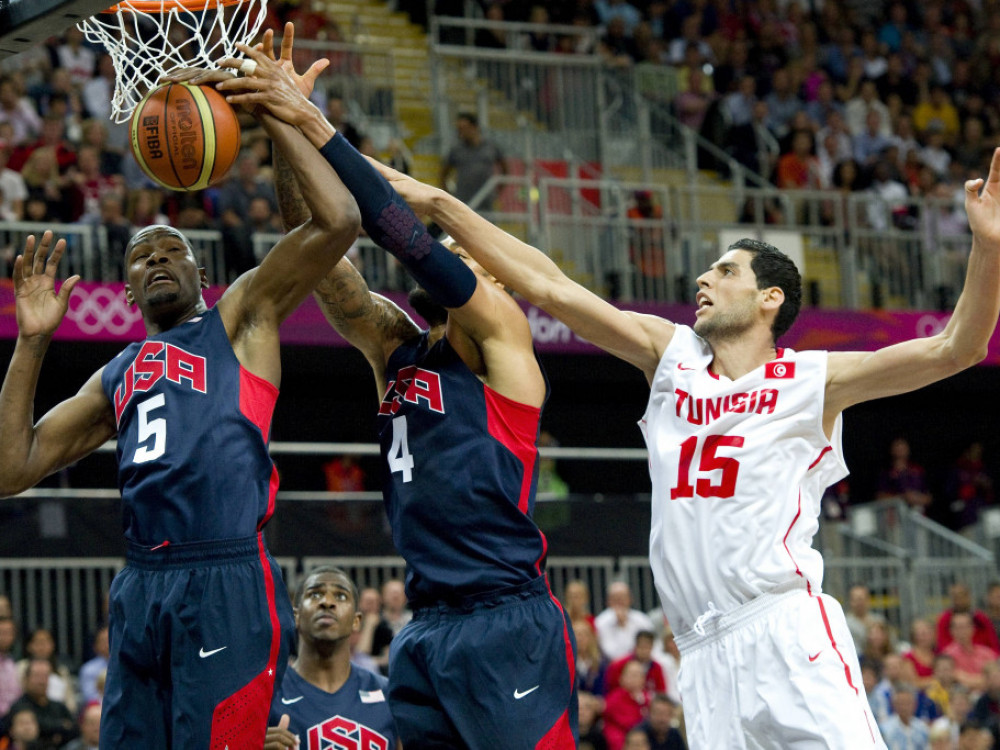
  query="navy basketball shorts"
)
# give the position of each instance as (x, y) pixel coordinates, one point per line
(491, 672)
(199, 635)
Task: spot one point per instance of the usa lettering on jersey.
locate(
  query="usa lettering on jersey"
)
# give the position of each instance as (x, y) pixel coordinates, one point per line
(414, 385)
(340, 733)
(157, 360)
(707, 410)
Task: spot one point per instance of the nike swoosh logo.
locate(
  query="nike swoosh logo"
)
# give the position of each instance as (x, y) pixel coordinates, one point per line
(815, 656)
(293, 700)
(680, 366)
(518, 694)
(205, 654)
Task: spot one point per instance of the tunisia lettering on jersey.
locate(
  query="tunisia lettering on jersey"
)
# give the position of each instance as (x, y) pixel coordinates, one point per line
(707, 410)
(339, 733)
(414, 385)
(155, 361)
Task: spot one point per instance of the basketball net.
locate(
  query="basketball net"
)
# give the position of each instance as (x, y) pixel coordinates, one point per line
(148, 38)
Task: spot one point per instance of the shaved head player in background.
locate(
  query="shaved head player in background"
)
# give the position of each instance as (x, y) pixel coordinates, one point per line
(488, 659)
(743, 437)
(198, 612)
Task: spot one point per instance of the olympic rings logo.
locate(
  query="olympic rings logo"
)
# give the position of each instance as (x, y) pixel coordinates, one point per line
(102, 310)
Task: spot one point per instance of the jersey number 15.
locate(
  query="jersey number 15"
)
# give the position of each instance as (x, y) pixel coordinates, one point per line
(709, 462)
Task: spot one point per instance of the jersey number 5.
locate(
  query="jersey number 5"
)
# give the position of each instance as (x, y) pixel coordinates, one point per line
(710, 461)
(400, 458)
(155, 429)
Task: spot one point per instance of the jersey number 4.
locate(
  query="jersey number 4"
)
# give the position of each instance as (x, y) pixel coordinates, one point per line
(400, 458)
(709, 462)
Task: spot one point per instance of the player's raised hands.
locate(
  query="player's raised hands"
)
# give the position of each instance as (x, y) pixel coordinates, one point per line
(279, 737)
(39, 308)
(306, 81)
(982, 204)
(267, 84)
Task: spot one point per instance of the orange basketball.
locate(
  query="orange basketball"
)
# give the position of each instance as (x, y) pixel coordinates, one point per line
(185, 137)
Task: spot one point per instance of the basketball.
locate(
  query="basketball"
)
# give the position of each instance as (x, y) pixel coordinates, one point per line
(185, 137)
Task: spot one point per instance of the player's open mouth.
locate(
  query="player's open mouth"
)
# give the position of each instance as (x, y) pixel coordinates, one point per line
(158, 277)
(702, 301)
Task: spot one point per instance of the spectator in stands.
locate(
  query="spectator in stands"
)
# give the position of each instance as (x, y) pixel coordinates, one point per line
(969, 488)
(609, 10)
(961, 601)
(618, 49)
(798, 169)
(738, 105)
(753, 144)
(636, 739)
(41, 645)
(472, 161)
(23, 731)
(870, 145)
(643, 655)
(920, 656)
(591, 664)
(91, 669)
(626, 706)
(859, 615)
(986, 711)
(903, 730)
(973, 737)
(783, 103)
(495, 38)
(144, 208)
(6, 610)
(824, 104)
(618, 625)
(395, 615)
(668, 656)
(875, 690)
(857, 109)
(90, 729)
(934, 154)
(904, 478)
(576, 602)
(591, 724)
(14, 191)
(90, 186)
(54, 137)
(991, 605)
(942, 683)
(370, 608)
(79, 59)
(969, 657)
(336, 113)
(659, 727)
(10, 679)
(55, 721)
(19, 112)
(691, 104)
(98, 91)
(44, 182)
(879, 643)
(936, 111)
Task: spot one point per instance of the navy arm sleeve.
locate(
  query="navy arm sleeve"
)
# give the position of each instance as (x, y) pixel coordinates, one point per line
(393, 226)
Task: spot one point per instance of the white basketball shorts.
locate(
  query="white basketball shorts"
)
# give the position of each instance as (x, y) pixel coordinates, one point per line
(778, 672)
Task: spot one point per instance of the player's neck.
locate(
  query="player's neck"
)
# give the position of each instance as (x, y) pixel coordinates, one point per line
(734, 358)
(326, 669)
(166, 322)
(436, 333)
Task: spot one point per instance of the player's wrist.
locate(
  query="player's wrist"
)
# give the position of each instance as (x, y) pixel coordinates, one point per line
(317, 128)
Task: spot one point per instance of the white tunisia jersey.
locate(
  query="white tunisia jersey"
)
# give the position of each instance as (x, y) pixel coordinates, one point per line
(738, 470)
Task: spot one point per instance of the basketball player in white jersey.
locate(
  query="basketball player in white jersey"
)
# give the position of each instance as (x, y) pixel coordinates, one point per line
(743, 437)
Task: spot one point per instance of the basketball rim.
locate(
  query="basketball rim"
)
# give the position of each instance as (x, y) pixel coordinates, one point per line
(165, 6)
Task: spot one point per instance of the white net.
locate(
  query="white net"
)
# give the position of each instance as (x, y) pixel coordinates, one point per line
(147, 39)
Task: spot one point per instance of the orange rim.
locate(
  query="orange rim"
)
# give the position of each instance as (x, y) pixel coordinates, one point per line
(164, 6)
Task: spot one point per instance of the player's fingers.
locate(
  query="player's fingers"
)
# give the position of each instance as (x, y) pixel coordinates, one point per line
(283, 722)
(994, 176)
(288, 41)
(18, 269)
(972, 186)
(255, 54)
(267, 44)
(52, 262)
(67, 288)
(315, 69)
(28, 257)
(41, 253)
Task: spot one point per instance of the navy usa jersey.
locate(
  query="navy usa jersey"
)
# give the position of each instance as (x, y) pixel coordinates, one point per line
(460, 463)
(193, 427)
(356, 717)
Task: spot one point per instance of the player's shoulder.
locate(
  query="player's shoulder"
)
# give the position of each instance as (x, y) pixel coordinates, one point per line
(369, 680)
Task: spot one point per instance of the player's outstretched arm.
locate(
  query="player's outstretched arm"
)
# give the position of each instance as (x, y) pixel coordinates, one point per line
(73, 428)
(854, 377)
(638, 339)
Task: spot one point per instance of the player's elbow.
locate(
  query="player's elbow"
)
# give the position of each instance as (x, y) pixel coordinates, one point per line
(341, 225)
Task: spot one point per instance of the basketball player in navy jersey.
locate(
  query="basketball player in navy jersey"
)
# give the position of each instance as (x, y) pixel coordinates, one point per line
(200, 624)
(488, 659)
(743, 436)
(325, 701)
